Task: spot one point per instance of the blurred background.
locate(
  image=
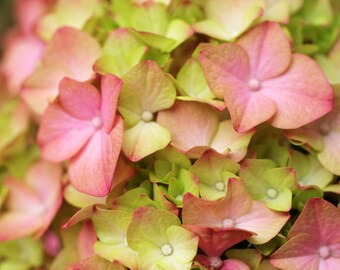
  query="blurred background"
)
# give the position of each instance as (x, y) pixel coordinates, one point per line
(6, 18)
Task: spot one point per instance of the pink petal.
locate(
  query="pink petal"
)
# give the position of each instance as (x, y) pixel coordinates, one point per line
(190, 123)
(232, 264)
(110, 87)
(92, 169)
(60, 135)
(14, 225)
(41, 88)
(13, 68)
(87, 238)
(298, 253)
(214, 241)
(28, 12)
(301, 95)
(79, 99)
(319, 218)
(21, 197)
(73, 49)
(45, 178)
(234, 205)
(268, 49)
(257, 220)
(247, 107)
(223, 66)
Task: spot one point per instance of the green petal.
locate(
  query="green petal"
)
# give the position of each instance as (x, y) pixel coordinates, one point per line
(144, 139)
(121, 52)
(150, 225)
(146, 88)
(184, 244)
(283, 201)
(280, 178)
(192, 80)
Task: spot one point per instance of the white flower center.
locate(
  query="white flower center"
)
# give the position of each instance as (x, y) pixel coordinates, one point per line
(324, 252)
(254, 84)
(179, 197)
(166, 249)
(220, 186)
(97, 122)
(272, 193)
(215, 262)
(147, 116)
(228, 223)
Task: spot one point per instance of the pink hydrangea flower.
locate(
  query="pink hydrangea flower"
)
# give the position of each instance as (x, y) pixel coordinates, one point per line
(70, 53)
(313, 241)
(32, 204)
(261, 80)
(82, 125)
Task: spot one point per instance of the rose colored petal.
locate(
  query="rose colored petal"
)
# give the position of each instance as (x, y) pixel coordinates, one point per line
(246, 107)
(191, 124)
(319, 218)
(110, 89)
(224, 66)
(214, 241)
(87, 238)
(92, 169)
(28, 12)
(14, 225)
(298, 253)
(234, 205)
(81, 100)
(60, 135)
(234, 265)
(301, 95)
(73, 49)
(257, 220)
(268, 49)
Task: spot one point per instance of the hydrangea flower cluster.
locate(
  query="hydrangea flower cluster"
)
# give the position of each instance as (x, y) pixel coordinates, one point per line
(170, 134)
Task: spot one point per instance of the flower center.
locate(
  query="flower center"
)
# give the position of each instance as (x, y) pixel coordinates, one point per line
(228, 223)
(215, 262)
(254, 84)
(324, 128)
(97, 122)
(179, 197)
(324, 252)
(272, 193)
(220, 186)
(166, 249)
(147, 116)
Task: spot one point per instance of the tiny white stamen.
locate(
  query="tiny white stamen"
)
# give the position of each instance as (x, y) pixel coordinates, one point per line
(166, 249)
(97, 122)
(254, 84)
(220, 186)
(179, 198)
(228, 223)
(324, 252)
(272, 193)
(147, 116)
(215, 262)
